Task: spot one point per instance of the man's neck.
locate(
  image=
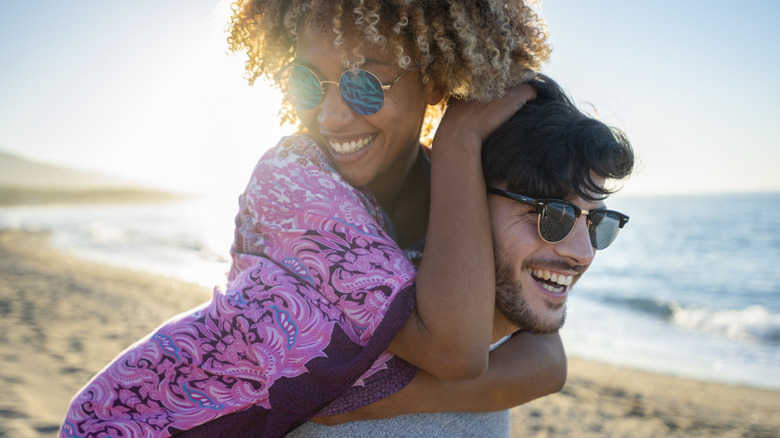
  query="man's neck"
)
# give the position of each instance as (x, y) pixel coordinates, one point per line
(502, 327)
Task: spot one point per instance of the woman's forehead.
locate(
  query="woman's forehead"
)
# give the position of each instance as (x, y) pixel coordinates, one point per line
(350, 44)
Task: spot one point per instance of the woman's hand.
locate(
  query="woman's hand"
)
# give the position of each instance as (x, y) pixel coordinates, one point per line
(475, 121)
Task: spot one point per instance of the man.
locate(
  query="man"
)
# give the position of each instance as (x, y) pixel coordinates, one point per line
(547, 170)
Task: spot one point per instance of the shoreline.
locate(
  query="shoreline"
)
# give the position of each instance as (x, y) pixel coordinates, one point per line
(11, 196)
(62, 319)
(603, 400)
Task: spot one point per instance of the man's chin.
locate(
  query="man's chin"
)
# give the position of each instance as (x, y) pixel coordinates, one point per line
(527, 310)
(536, 324)
(546, 329)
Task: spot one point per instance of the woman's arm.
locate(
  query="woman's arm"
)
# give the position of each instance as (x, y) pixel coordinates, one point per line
(448, 333)
(526, 367)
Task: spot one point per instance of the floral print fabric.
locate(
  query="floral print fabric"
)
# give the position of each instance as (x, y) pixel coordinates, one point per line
(316, 292)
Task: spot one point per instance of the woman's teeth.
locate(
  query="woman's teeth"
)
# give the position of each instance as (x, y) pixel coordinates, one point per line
(349, 147)
(552, 277)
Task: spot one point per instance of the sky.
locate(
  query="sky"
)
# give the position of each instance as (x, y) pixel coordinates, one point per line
(146, 91)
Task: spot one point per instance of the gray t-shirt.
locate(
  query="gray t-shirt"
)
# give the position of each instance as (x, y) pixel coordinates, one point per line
(444, 424)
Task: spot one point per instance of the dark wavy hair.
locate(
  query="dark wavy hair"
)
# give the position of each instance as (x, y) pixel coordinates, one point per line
(551, 149)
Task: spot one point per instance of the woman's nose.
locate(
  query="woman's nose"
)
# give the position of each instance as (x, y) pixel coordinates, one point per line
(333, 112)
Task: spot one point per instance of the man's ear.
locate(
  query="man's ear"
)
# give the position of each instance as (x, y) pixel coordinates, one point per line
(433, 92)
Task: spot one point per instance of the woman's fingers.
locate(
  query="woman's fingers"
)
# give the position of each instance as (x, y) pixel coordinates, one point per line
(482, 118)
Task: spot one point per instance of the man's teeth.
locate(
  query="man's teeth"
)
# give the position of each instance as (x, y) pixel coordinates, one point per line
(349, 147)
(560, 279)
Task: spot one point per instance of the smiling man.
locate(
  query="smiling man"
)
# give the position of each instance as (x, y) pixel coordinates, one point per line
(549, 170)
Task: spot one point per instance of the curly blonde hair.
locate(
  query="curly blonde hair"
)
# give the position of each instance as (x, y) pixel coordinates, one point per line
(472, 49)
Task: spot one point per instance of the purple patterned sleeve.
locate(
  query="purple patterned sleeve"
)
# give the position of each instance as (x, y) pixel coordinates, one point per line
(316, 293)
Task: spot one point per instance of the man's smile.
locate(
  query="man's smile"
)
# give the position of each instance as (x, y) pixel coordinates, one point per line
(552, 281)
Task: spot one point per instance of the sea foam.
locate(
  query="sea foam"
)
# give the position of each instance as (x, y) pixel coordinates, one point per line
(752, 323)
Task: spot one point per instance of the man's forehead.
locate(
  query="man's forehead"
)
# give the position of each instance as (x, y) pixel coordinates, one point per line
(587, 204)
(597, 201)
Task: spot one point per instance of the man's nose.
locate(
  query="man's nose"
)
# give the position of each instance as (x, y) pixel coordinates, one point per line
(576, 246)
(333, 112)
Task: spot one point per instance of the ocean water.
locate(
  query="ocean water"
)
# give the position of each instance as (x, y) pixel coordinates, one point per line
(691, 287)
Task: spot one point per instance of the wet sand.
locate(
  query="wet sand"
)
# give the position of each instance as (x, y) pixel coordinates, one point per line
(62, 319)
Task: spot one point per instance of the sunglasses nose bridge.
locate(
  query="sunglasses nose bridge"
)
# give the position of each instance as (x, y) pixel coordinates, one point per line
(578, 244)
(589, 226)
(333, 111)
(323, 83)
(592, 229)
(324, 87)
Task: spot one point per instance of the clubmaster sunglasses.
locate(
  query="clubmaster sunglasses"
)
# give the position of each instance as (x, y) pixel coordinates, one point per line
(557, 219)
(361, 90)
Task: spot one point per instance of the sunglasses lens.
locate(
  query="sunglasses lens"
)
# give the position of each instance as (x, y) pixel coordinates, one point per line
(556, 221)
(300, 87)
(604, 227)
(361, 91)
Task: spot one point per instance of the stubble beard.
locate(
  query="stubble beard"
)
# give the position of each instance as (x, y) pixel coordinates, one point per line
(511, 302)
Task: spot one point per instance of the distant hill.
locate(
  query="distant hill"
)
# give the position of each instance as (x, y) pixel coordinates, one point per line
(27, 182)
(22, 173)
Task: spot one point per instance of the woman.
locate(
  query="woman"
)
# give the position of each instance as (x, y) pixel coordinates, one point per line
(320, 287)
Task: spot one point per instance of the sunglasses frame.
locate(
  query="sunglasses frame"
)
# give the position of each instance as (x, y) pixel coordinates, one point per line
(541, 204)
(322, 83)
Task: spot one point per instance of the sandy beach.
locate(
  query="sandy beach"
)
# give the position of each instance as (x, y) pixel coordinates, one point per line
(62, 319)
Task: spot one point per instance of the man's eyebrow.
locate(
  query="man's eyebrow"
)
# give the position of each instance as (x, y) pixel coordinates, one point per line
(522, 207)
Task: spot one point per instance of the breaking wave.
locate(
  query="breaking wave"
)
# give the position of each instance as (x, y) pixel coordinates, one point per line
(754, 322)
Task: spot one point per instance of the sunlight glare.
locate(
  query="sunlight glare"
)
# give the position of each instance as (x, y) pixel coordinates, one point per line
(209, 127)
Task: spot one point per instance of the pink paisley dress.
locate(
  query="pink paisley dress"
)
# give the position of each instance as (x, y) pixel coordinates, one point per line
(316, 292)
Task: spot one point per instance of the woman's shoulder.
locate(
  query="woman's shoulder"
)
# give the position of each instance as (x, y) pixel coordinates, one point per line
(297, 172)
(299, 151)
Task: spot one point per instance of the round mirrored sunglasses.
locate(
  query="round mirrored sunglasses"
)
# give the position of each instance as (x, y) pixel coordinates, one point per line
(360, 90)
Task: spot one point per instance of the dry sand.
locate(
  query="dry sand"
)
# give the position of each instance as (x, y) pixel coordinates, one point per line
(62, 319)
